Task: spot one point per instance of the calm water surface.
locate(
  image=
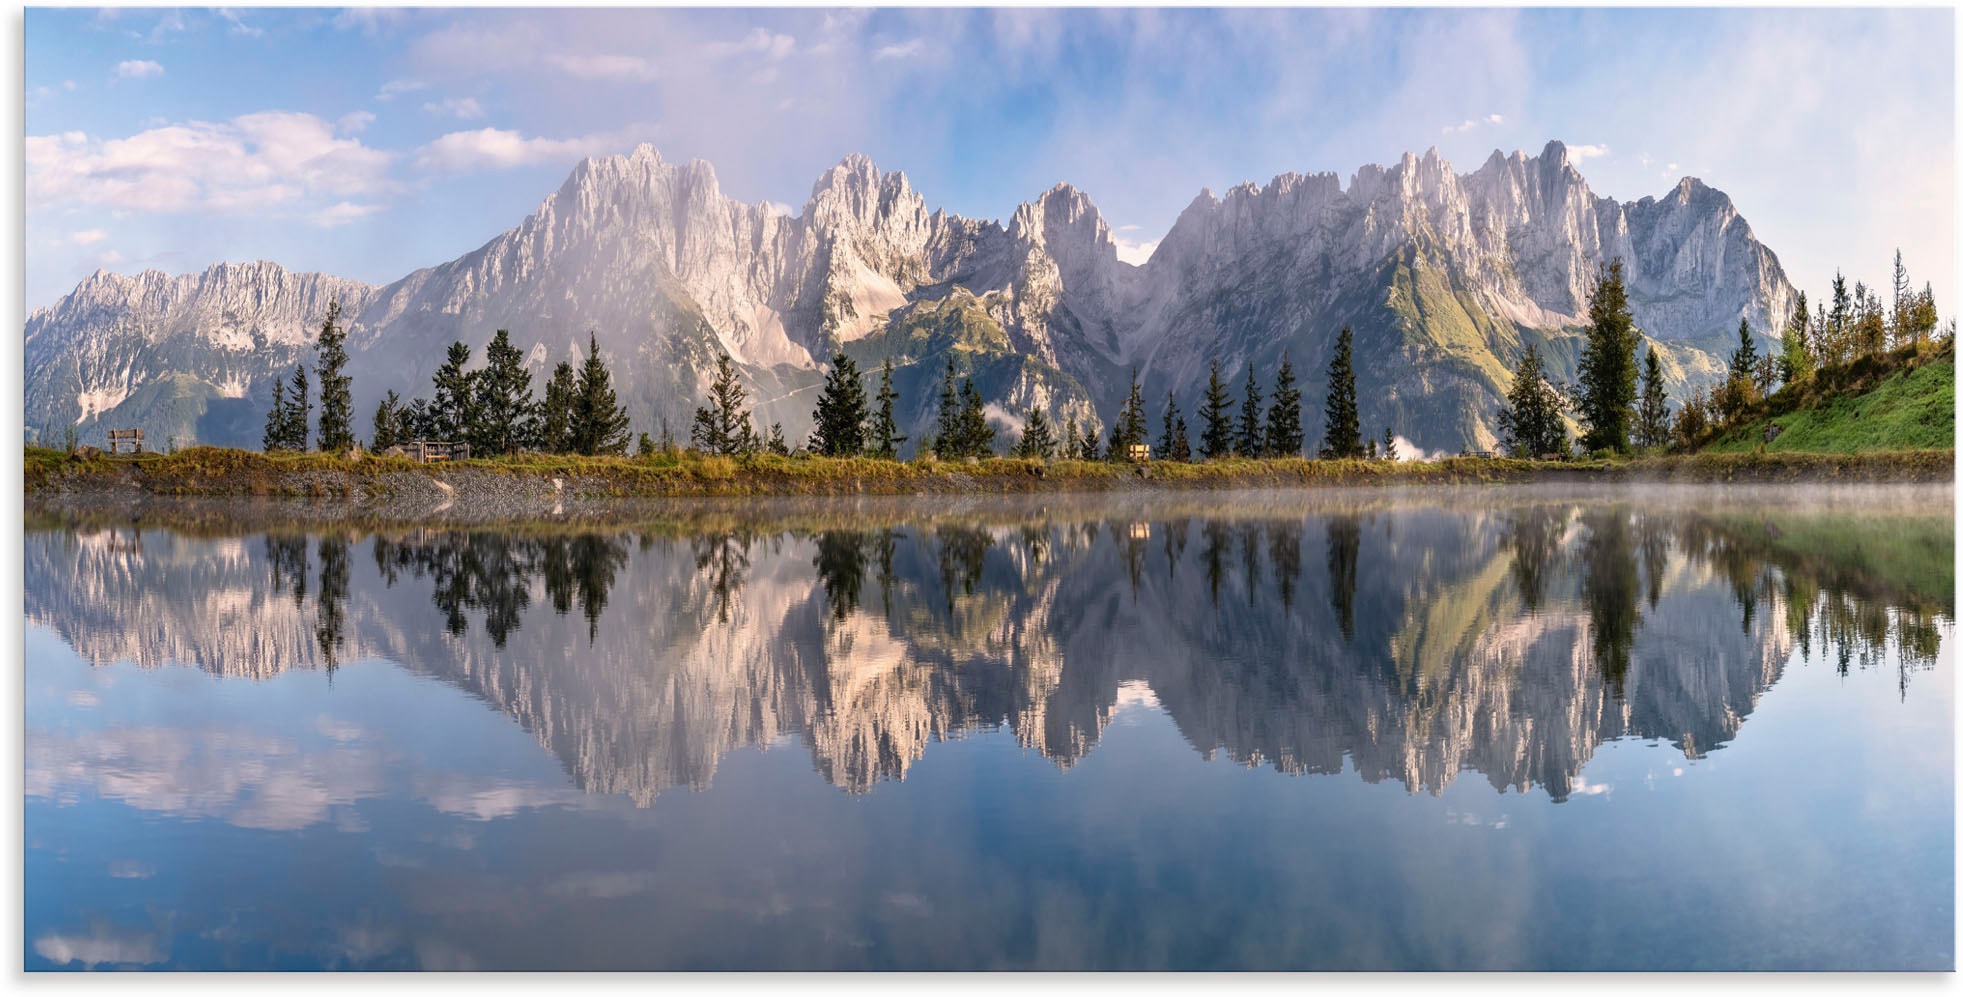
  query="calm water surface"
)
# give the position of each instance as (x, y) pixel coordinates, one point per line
(1480, 731)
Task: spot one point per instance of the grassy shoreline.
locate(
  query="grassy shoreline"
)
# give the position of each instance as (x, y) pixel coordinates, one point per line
(216, 472)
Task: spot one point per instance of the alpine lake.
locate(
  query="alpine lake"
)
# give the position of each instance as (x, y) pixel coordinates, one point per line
(1491, 728)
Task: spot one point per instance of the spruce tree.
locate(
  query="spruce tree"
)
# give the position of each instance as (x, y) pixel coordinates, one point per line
(1129, 428)
(413, 422)
(555, 411)
(1904, 303)
(505, 412)
(299, 408)
(1087, 446)
(1285, 413)
(599, 421)
(1173, 444)
(1390, 445)
(1653, 410)
(1746, 356)
(1249, 441)
(275, 435)
(1217, 436)
(977, 436)
(884, 438)
(645, 446)
(454, 401)
(336, 400)
(1795, 346)
(1607, 370)
(723, 425)
(387, 426)
(1037, 441)
(1342, 435)
(775, 444)
(1067, 446)
(1530, 423)
(841, 414)
(947, 424)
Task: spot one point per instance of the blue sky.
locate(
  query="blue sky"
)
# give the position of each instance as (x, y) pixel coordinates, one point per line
(369, 143)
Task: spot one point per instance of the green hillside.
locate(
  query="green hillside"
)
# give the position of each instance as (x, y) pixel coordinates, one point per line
(1904, 400)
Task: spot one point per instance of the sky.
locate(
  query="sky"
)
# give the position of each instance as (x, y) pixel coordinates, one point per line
(370, 142)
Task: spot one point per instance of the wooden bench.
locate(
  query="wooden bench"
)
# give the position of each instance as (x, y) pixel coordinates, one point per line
(132, 437)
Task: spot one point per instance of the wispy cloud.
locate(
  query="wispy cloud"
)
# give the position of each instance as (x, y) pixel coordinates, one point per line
(239, 27)
(461, 108)
(393, 88)
(1471, 123)
(616, 68)
(900, 50)
(757, 42)
(138, 69)
(499, 149)
(88, 237)
(1584, 153)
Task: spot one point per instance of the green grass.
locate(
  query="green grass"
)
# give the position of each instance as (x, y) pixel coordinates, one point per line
(1905, 400)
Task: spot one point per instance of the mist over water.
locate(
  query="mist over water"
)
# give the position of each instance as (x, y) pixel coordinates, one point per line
(1458, 730)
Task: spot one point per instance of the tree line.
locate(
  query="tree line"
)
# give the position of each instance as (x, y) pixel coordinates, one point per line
(1621, 405)
(491, 409)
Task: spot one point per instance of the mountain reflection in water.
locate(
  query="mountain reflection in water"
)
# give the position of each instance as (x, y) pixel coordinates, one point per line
(1409, 642)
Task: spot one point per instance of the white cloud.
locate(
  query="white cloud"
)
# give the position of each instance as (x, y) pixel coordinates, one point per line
(499, 149)
(343, 213)
(780, 208)
(1471, 123)
(758, 42)
(900, 50)
(254, 163)
(101, 947)
(88, 237)
(461, 108)
(1134, 251)
(1584, 153)
(239, 27)
(393, 87)
(615, 68)
(138, 69)
(354, 122)
(368, 20)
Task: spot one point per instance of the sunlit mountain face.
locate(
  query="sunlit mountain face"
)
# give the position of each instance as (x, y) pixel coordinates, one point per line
(992, 679)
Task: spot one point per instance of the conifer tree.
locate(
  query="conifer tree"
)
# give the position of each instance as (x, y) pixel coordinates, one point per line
(555, 411)
(947, 424)
(336, 401)
(275, 435)
(454, 401)
(1607, 370)
(977, 436)
(1087, 446)
(599, 421)
(1904, 302)
(1037, 442)
(841, 414)
(1653, 410)
(1370, 450)
(1067, 446)
(1173, 444)
(1285, 413)
(387, 426)
(1129, 428)
(505, 411)
(1250, 441)
(884, 438)
(413, 422)
(1390, 445)
(299, 408)
(776, 442)
(1795, 347)
(644, 447)
(1530, 423)
(1216, 435)
(723, 426)
(1342, 435)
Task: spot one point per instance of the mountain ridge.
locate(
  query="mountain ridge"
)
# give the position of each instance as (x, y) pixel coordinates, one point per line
(667, 271)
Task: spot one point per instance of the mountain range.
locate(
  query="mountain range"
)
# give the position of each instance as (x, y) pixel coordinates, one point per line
(1444, 277)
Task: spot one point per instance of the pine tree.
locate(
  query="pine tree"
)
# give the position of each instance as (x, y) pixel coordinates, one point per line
(1795, 347)
(1037, 441)
(1370, 450)
(336, 400)
(644, 447)
(1087, 447)
(599, 422)
(1129, 428)
(1607, 370)
(1067, 446)
(1530, 423)
(1840, 323)
(977, 436)
(1217, 436)
(1390, 445)
(298, 410)
(884, 438)
(388, 426)
(723, 426)
(1746, 355)
(555, 412)
(275, 436)
(504, 410)
(1249, 440)
(947, 424)
(841, 414)
(1285, 413)
(1173, 444)
(1653, 410)
(1342, 434)
(413, 422)
(776, 442)
(454, 401)
(1904, 303)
